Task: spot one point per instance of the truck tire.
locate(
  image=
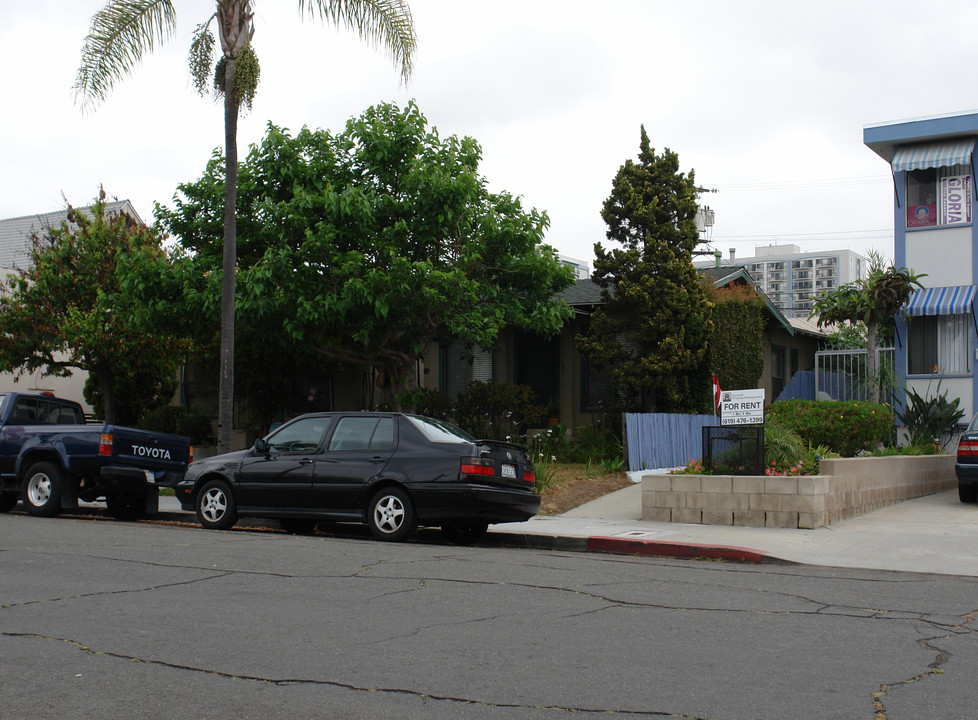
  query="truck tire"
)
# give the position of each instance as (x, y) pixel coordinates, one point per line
(216, 509)
(7, 501)
(125, 506)
(42, 489)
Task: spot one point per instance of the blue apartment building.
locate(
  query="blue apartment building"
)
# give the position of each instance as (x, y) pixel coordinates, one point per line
(933, 165)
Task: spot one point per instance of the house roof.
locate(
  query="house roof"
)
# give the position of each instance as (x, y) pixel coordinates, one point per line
(582, 293)
(727, 274)
(16, 233)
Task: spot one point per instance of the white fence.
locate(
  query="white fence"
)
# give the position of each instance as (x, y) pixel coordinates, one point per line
(842, 374)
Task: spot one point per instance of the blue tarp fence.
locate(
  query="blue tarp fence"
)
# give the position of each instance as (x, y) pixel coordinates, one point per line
(661, 440)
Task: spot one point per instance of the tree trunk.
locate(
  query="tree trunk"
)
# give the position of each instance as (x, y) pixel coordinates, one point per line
(225, 416)
(872, 374)
(109, 410)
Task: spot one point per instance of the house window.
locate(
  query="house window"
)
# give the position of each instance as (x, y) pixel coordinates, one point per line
(939, 344)
(939, 196)
(601, 392)
(463, 364)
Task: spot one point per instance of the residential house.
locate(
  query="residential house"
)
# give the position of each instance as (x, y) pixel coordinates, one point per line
(576, 392)
(933, 166)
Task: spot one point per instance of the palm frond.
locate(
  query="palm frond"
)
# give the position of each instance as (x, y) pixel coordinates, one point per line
(120, 34)
(383, 23)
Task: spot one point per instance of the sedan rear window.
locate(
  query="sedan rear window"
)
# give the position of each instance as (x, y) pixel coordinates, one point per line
(440, 431)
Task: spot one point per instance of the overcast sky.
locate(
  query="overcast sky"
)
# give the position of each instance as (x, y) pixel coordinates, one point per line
(766, 101)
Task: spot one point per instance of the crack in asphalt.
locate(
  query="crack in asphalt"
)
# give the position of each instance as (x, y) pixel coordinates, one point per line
(81, 596)
(821, 608)
(941, 659)
(283, 682)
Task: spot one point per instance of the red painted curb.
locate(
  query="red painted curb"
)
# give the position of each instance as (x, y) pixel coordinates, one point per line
(631, 546)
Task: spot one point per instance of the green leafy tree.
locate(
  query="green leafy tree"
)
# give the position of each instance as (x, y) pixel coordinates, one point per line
(123, 30)
(874, 301)
(653, 326)
(736, 341)
(367, 246)
(75, 307)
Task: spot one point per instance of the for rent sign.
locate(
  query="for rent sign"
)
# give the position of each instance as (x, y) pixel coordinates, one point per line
(955, 199)
(742, 407)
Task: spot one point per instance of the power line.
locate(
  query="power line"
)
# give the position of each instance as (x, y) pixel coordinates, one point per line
(813, 183)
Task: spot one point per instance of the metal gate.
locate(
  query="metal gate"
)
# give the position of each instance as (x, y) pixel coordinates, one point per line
(842, 375)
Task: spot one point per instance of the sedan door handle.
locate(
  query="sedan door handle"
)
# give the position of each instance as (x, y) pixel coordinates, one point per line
(306, 461)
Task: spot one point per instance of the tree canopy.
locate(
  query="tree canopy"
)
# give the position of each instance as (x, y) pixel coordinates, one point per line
(653, 327)
(874, 301)
(76, 306)
(123, 30)
(365, 246)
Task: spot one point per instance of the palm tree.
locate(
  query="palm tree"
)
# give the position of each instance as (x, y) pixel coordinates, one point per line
(124, 30)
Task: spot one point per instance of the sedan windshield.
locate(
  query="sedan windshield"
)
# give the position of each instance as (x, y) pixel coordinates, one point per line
(439, 431)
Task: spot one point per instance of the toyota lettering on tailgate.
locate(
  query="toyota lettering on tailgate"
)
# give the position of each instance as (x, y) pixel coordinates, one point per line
(151, 452)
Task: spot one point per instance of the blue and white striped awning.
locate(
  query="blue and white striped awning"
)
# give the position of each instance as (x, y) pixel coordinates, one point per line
(933, 155)
(942, 301)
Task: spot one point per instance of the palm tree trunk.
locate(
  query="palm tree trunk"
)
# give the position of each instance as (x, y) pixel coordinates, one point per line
(872, 374)
(225, 409)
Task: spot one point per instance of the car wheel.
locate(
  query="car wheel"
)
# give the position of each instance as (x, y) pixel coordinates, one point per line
(126, 506)
(465, 532)
(968, 493)
(298, 526)
(7, 502)
(42, 490)
(391, 515)
(216, 509)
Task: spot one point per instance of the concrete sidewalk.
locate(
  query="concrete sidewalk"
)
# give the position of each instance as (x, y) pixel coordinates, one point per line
(933, 534)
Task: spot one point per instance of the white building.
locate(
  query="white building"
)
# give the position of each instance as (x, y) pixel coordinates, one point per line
(792, 278)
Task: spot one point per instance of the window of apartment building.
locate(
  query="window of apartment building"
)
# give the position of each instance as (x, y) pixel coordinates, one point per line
(939, 197)
(939, 344)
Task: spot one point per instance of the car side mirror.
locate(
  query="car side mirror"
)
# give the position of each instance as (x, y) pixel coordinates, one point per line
(261, 446)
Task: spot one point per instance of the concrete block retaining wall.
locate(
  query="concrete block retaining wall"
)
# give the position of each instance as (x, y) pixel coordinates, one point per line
(846, 488)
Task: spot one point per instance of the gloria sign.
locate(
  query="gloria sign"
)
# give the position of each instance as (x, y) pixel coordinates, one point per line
(955, 199)
(742, 407)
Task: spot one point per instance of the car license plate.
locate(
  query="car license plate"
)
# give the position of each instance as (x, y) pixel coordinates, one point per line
(509, 471)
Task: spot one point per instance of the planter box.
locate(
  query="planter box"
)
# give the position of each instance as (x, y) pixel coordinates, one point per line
(846, 488)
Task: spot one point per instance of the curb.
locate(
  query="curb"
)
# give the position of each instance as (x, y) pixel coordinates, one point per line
(660, 548)
(597, 544)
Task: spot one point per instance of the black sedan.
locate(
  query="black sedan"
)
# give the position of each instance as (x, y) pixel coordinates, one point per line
(392, 471)
(966, 467)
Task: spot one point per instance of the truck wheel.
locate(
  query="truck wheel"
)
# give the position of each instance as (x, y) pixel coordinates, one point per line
(125, 506)
(968, 493)
(42, 490)
(7, 502)
(216, 509)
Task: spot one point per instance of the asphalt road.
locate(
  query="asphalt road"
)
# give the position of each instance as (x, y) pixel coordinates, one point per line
(103, 619)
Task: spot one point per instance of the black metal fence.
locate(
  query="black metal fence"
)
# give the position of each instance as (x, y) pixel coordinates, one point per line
(733, 449)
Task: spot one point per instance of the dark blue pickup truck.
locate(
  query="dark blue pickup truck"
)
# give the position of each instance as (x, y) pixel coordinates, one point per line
(50, 459)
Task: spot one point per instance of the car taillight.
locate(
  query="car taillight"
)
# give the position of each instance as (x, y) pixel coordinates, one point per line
(968, 448)
(105, 444)
(529, 476)
(478, 466)
(190, 459)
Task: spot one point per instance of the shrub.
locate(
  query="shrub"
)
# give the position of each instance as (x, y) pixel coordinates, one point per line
(496, 410)
(179, 420)
(845, 428)
(931, 421)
